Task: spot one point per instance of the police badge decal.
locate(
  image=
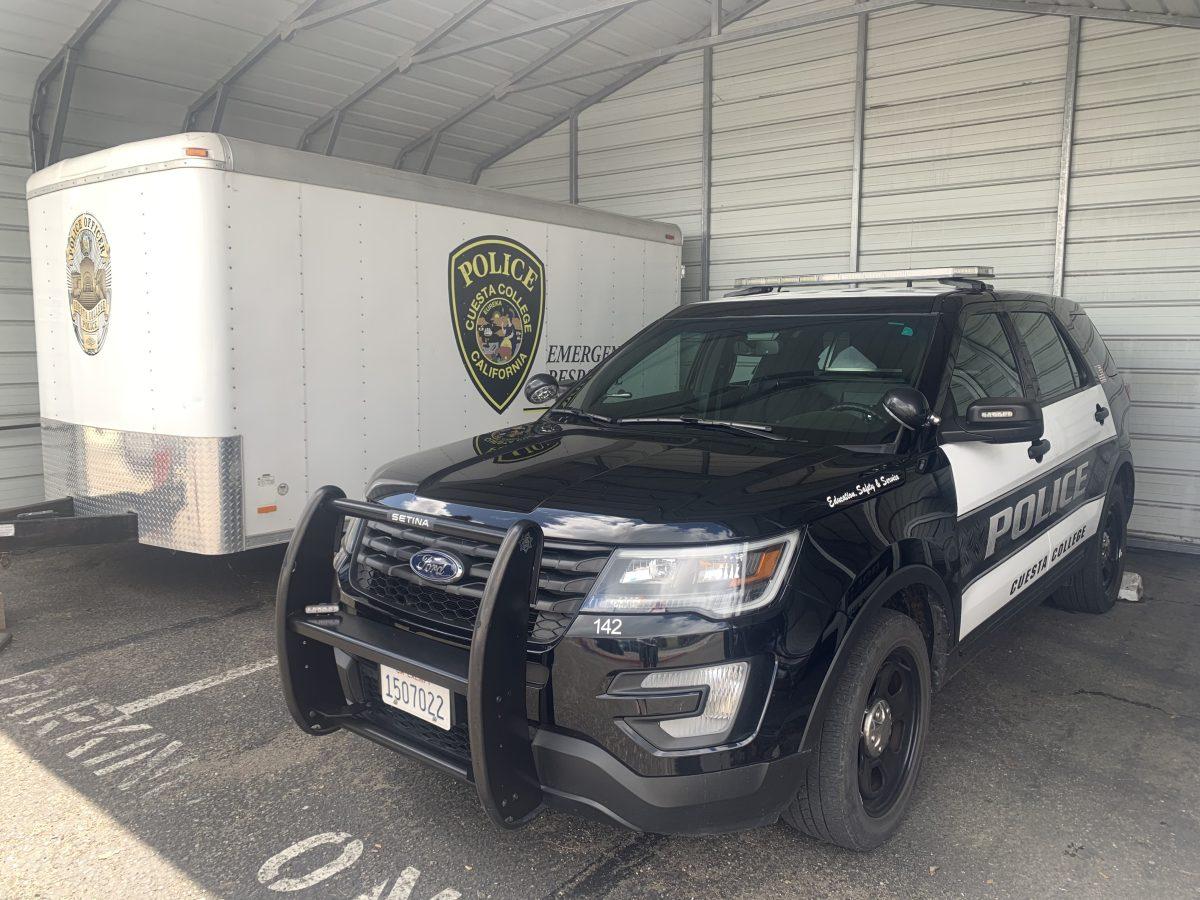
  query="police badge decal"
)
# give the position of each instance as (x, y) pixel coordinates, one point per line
(89, 282)
(497, 303)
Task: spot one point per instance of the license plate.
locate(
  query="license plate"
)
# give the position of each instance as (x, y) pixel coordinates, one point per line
(415, 696)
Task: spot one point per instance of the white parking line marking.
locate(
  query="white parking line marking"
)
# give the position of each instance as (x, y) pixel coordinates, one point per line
(194, 687)
(28, 674)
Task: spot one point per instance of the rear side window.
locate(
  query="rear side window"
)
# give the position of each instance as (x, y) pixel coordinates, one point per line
(985, 365)
(1088, 340)
(1055, 369)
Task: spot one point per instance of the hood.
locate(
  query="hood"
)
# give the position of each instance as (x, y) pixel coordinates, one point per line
(631, 483)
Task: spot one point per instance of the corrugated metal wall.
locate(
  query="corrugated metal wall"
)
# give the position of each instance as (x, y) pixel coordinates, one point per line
(639, 155)
(22, 41)
(783, 114)
(962, 141)
(1133, 248)
(962, 136)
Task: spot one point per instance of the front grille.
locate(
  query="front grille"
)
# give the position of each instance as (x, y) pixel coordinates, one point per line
(396, 594)
(455, 743)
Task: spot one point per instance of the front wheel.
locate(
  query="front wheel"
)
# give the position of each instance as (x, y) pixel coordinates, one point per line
(856, 789)
(1094, 587)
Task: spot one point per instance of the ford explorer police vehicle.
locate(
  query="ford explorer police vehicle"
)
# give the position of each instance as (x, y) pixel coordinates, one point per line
(716, 583)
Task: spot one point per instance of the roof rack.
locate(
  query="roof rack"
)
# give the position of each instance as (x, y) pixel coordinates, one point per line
(967, 276)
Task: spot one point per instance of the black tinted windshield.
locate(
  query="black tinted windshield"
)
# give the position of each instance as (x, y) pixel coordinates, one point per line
(815, 378)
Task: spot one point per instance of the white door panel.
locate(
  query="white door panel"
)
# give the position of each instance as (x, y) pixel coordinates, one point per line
(1073, 420)
(984, 472)
(1001, 584)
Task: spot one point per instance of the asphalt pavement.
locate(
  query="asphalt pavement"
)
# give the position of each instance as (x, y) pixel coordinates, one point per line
(145, 751)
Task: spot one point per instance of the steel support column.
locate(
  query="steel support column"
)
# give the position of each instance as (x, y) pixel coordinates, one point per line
(45, 149)
(706, 169)
(860, 118)
(428, 161)
(335, 128)
(1068, 145)
(573, 159)
(62, 107)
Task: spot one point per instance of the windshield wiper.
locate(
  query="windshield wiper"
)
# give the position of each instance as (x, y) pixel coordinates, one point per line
(745, 427)
(590, 416)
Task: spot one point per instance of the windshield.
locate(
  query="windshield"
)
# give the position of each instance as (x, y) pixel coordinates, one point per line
(817, 378)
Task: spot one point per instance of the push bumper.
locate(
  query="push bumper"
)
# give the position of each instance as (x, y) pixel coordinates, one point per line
(516, 767)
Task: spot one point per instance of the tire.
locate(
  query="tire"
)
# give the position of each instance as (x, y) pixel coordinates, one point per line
(832, 804)
(1094, 587)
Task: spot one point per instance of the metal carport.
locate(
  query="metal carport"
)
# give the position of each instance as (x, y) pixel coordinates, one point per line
(1056, 141)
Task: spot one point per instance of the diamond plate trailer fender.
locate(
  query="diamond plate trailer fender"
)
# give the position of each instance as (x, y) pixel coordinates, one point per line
(502, 763)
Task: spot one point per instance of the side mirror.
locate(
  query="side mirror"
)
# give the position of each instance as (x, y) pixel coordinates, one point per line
(909, 408)
(1009, 420)
(545, 388)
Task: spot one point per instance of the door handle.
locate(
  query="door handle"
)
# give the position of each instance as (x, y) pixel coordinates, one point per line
(1038, 449)
(1101, 413)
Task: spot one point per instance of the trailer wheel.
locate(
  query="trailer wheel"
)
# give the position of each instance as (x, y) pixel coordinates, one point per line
(857, 788)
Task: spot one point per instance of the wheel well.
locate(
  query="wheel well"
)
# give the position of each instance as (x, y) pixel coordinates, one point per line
(1125, 480)
(928, 611)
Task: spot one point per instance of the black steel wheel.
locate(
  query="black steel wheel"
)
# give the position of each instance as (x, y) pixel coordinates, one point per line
(887, 751)
(858, 785)
(1097, 581)
(1112, 548)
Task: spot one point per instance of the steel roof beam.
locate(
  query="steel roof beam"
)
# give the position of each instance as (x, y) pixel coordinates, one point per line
(523, 30)
(214, 94)
(708, 39)
(599, 95)
(1086, 12)
(552, 54)
(312, 20)
(399, 67)
(44, 150)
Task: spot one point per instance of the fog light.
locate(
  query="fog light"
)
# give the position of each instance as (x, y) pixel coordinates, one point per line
(321, 609)
(726, 683)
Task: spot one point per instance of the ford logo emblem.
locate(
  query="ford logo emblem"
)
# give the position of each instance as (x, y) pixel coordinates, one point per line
(437, 566)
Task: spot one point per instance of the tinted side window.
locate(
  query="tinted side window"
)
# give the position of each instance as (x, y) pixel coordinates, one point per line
(1089, 341)
(1053, 365)
(985, 366)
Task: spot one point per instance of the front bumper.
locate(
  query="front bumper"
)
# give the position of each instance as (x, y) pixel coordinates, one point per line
(501, 743)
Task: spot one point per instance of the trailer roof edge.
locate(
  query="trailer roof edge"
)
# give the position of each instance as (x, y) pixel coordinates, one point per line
(269, 161)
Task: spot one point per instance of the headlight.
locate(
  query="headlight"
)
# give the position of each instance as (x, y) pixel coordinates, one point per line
(718, 580)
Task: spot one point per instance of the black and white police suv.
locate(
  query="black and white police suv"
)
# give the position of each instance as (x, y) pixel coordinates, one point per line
(718, 581)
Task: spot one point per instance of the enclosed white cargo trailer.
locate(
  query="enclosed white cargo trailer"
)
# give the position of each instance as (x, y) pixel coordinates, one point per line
(222, 326)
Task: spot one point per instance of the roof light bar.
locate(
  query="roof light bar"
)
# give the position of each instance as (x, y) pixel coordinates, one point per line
(906, 275)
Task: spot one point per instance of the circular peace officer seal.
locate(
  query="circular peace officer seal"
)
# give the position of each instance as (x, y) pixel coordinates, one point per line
(89, 281)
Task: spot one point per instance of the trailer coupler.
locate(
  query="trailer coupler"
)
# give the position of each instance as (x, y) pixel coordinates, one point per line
(56, 523)
(501, 753)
